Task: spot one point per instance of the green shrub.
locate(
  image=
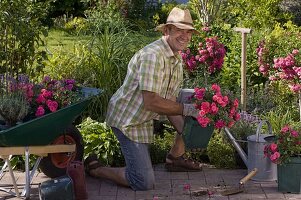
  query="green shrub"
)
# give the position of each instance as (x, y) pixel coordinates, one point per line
(278, 119)
(161, 15)
(99, 139)
(221, 153)
(21, 31)
(75, 25)
(161, 146)
(105, 16)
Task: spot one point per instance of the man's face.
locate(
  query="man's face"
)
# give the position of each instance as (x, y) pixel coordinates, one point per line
(178, 39)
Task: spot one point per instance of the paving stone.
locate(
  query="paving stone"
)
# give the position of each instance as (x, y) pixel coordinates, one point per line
(275, 196)
(179, 175)
(168, 186)
(292, 196)
(163, 184)
(162, 175)
(125, 197)
(108, 188)
(103, 197)
(93, 193)
(92, 184)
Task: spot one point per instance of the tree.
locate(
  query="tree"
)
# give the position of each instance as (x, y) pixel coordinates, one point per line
(20, 36)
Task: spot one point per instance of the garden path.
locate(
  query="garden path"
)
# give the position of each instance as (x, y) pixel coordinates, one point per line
(170, 186)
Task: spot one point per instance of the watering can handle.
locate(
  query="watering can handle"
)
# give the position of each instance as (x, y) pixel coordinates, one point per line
(248, 176)
(258, 130)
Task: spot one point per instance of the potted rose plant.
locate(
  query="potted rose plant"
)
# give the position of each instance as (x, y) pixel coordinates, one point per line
(216, 108)
(287, 144)
(203, 61)
(285, 151)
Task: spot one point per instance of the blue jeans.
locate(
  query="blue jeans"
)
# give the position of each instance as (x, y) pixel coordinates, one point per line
(138, 171)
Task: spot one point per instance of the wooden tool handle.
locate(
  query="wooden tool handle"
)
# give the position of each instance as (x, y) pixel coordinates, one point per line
(248, 176)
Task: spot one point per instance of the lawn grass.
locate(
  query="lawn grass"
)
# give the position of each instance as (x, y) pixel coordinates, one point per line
(60, 39)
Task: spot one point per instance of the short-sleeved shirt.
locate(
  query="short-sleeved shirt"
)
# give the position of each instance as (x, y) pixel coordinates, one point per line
(154, 68)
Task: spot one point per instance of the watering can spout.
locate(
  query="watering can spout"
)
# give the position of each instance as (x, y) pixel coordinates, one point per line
(240, 151)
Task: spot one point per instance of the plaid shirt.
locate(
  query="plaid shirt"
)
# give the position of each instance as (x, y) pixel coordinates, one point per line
(154, 68)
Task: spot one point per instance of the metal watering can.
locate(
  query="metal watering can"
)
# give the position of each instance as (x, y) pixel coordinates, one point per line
(267, 171)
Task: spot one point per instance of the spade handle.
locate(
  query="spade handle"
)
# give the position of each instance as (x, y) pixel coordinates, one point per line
(248, 176)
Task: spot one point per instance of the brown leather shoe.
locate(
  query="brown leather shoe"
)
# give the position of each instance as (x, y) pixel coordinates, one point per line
(91, 163)
(181, 164)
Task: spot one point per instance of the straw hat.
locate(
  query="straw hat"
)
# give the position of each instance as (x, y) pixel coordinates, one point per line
(179, 18)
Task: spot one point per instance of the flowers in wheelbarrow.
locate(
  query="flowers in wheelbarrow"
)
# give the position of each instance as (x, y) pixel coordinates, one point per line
(47, 96)
(287, 144)
(51, 95)
(216, 108)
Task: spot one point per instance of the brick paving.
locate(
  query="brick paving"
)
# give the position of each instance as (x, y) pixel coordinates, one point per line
(169, 186)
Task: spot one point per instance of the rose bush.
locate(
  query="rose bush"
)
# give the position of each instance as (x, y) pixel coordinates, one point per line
(286, 69)
(209, 56)
(281, 61)
(203, 58)
(216, 108)
(286, 145)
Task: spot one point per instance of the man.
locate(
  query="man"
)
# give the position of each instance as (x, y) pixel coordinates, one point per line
(153, 81)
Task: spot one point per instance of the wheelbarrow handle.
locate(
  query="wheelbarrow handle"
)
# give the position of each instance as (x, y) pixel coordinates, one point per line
(248, 176)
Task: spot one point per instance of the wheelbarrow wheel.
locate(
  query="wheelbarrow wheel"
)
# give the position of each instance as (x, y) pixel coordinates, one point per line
(55, 164)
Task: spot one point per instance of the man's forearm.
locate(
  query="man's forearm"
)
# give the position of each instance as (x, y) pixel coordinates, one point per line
(153, 102)
(177, 122)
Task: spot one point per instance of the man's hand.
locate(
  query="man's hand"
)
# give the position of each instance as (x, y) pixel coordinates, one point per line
(190, 110)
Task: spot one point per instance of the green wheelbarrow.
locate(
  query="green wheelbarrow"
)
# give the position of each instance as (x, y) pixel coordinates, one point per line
(52, 137)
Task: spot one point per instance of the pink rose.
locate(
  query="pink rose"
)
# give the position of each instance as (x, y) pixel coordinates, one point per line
(285, 129)
(295, 52)
(273, 147)
(274, 157)
(216, 88)
(46, 94)
(236, 103)
(52, 105)
(214, 108)
(205, 106)
(203, 121)
(294, 133)
(40, 99)
(230, 124)
(236, 116)
(40, 111)
(199, 93)
(219, 124)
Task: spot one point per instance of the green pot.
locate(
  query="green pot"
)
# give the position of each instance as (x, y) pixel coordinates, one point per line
(195, 136)
(289, 176)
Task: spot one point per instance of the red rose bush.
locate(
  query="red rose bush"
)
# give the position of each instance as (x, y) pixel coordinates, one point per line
(216, 108)
(287, 144)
